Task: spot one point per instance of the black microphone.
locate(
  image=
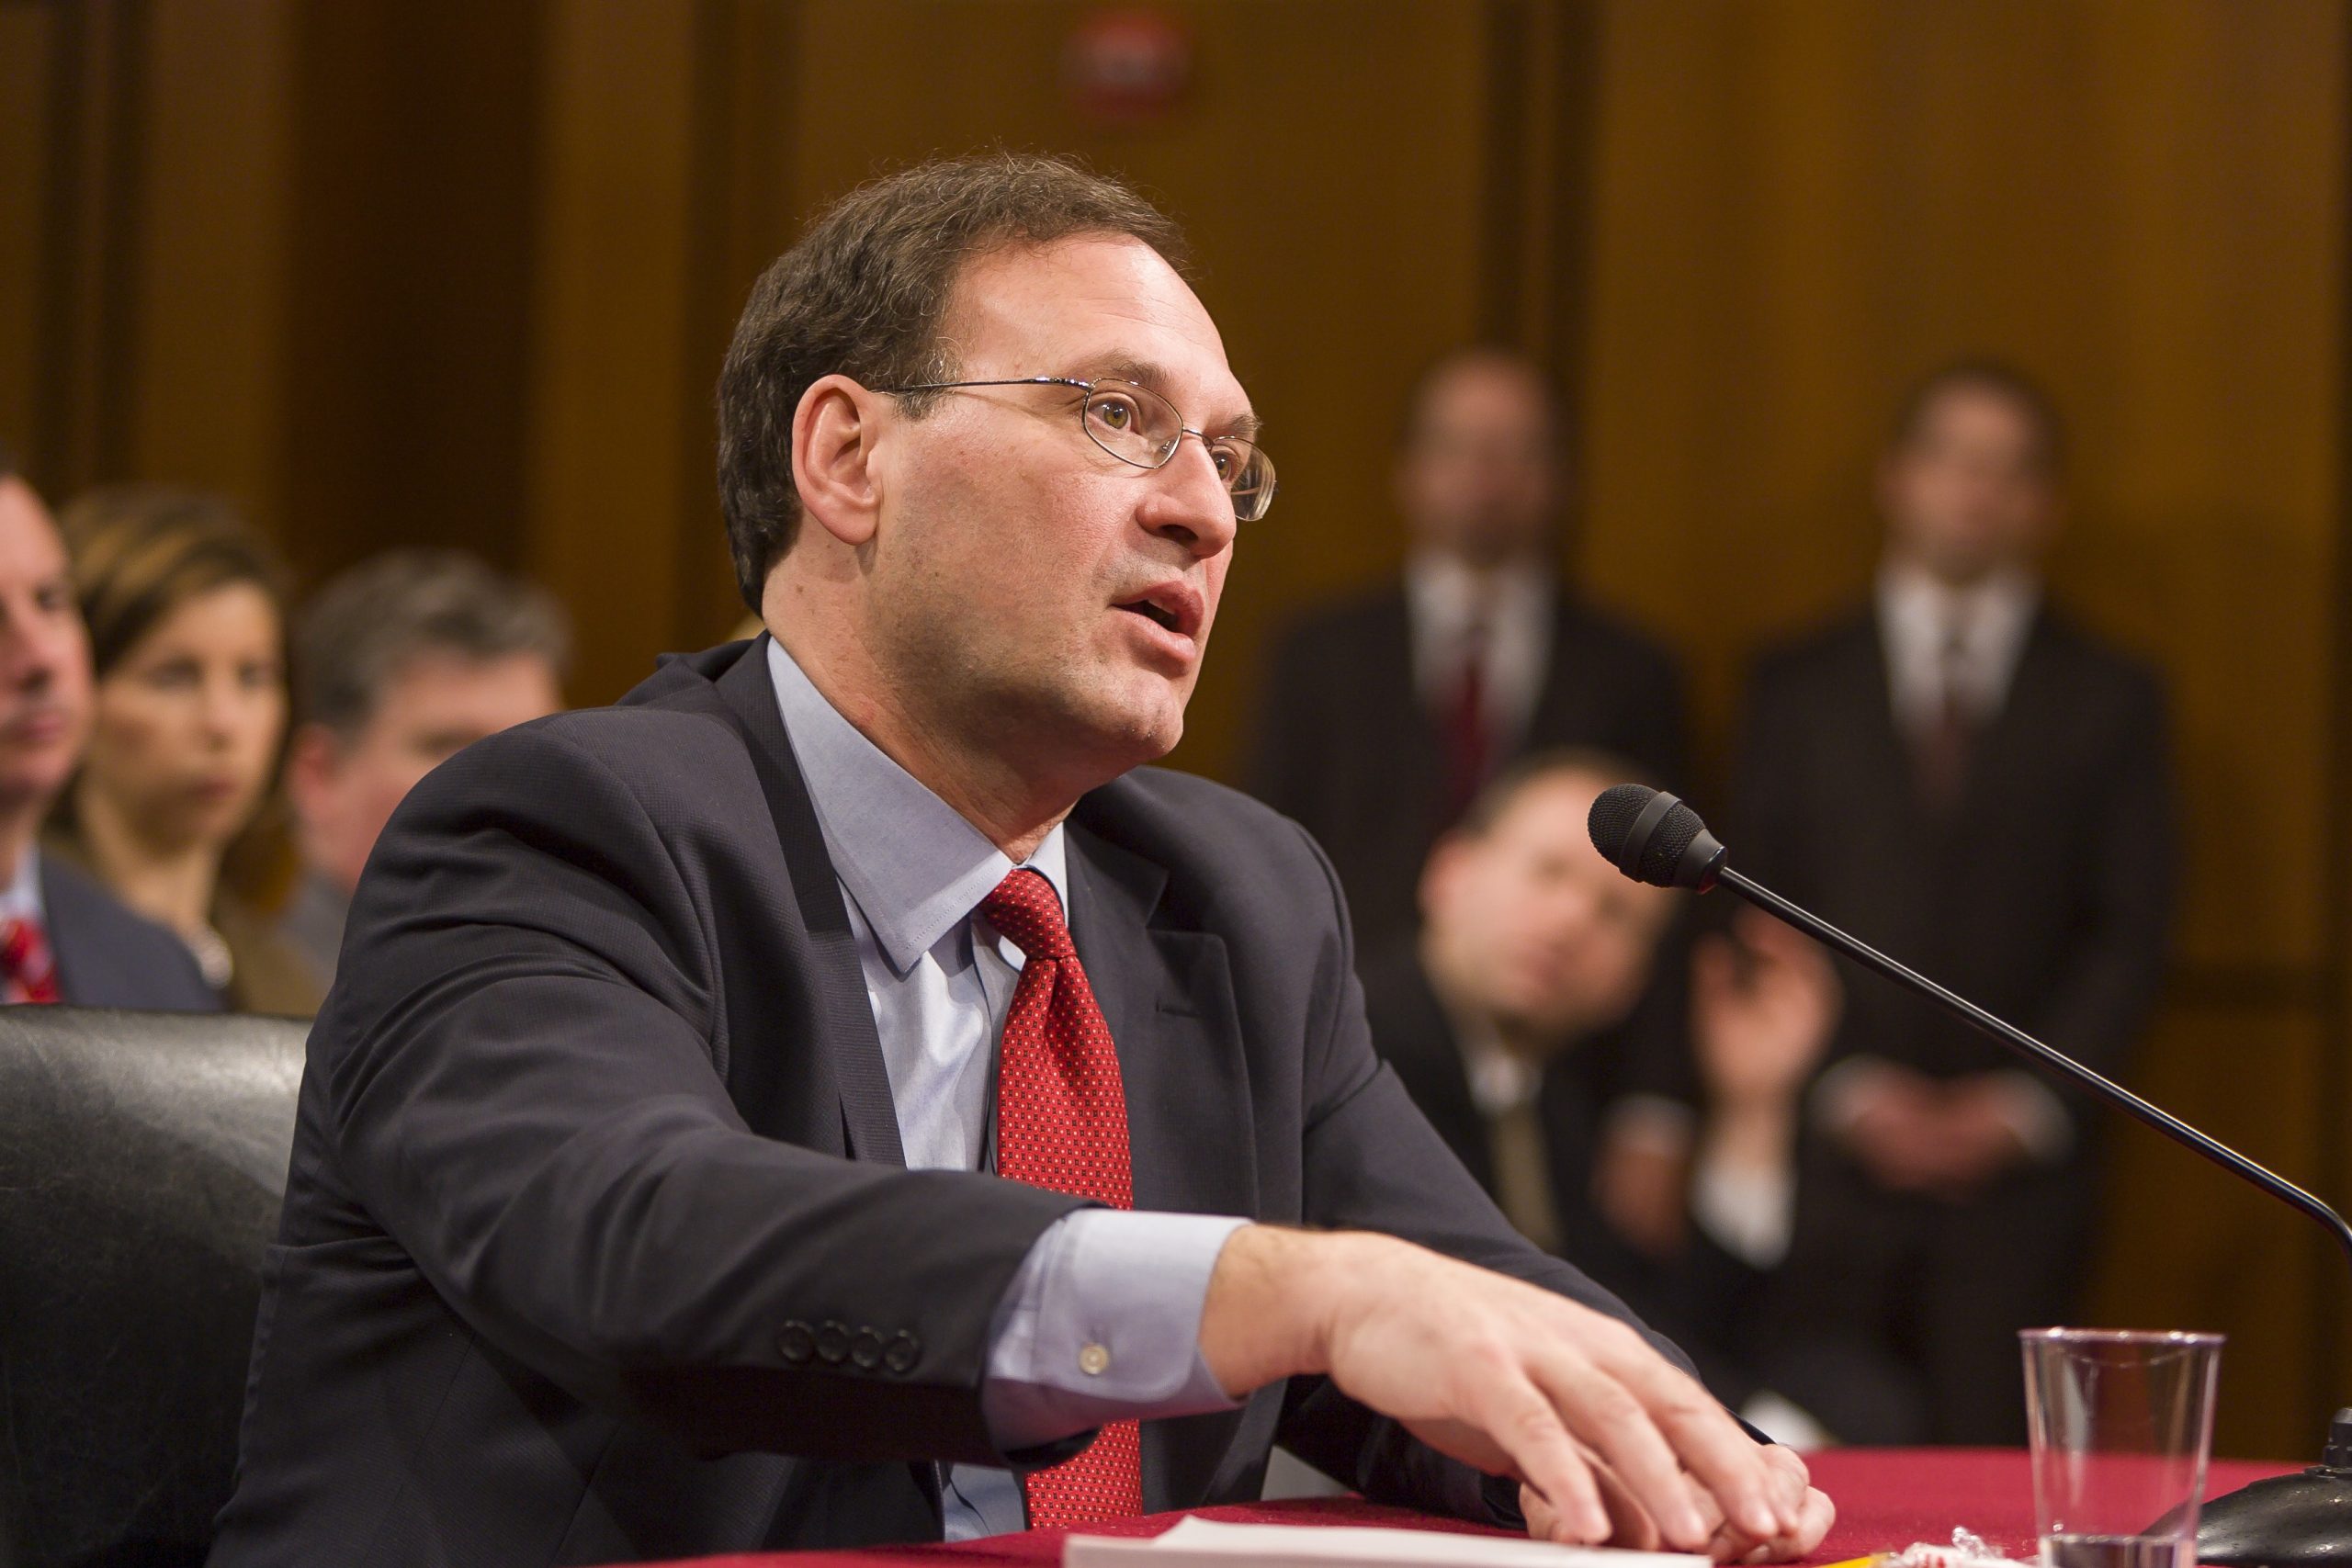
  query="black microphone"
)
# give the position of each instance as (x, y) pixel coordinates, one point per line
(1652, 837)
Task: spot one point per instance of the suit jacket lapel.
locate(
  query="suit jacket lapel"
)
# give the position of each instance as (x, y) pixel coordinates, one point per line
(845, 1020)
(1166, 994)
(1881, 753)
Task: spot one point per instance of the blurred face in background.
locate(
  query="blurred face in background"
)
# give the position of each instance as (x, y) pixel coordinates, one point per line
(189, 721)
(1527, 924)
(44, 656)
(1968, 490)
(1479, 475)
(344, 788)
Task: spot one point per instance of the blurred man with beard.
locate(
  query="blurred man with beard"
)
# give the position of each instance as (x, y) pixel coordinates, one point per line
(63, 936)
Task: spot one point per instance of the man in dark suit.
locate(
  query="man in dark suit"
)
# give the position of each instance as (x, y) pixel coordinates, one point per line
(1961, 776)
(834, 1097)
(1382, 716)
(1666, 1188)
(64, 938)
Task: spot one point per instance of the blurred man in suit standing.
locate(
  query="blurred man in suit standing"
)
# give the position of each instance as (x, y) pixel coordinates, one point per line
(64, 938)
(1963, 777)
(1384, 716)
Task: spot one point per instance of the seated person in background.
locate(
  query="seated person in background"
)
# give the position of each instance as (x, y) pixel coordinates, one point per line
(840, 1095)
(64, 938)
(399, 662)
(1384, 716)
(185, 605)
(1499, 1021)
(1501, 1015)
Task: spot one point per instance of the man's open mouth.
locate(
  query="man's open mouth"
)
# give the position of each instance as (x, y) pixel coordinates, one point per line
(1152, 612)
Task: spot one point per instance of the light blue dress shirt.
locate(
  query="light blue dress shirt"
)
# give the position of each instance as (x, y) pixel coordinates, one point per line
(1125, 1288)
(21, 900)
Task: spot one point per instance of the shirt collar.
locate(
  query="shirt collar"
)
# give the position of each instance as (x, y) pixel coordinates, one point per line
(21, 899)
(915, 866)
(1991, 613)
(1447, 593)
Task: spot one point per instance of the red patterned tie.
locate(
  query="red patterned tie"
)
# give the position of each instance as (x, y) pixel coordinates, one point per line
(25, 960)
(1061, 1116)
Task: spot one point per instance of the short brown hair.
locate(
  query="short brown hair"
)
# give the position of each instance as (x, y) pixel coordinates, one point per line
(1996, 378)
(862, 295)
(361, 631)
(141, 551)
(1493, 803)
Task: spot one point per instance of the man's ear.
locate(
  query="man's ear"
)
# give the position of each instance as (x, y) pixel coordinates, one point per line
(1443, 872)
(313, 753)
(833, 432)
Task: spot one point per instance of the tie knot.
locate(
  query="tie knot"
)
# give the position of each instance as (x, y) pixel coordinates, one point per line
(1026, 912)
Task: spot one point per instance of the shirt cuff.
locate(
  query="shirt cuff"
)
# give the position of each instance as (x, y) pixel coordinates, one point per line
(2034, 1112)
(1747, 1211)
(1102, 1323)
(1842, 1093)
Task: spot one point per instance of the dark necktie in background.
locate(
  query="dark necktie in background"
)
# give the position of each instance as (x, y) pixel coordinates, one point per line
(1061, 1113)
(1940, 750)
(1466, 728)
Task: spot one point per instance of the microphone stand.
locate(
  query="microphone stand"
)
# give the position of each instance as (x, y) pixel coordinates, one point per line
(2302, 1519)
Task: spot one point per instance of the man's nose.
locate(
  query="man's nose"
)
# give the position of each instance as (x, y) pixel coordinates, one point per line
(29, 656)
(1191, 504)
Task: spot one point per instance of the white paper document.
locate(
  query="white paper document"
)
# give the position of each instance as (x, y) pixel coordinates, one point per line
(1204, 1544)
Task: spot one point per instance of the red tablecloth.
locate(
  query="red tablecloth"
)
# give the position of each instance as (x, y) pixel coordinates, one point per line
(1887, 1499)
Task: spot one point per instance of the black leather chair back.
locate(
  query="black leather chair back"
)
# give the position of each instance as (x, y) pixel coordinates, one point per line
(143, 1162)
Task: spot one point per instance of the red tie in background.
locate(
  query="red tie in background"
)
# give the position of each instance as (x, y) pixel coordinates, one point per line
(30, 972)
(1939, 754)
(1061, 1117)
(1469, 736)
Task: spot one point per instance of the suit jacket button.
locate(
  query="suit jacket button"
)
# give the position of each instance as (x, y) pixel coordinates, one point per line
(794, 1343)
(833, 1343)
(866, 1349)
(901, 1353)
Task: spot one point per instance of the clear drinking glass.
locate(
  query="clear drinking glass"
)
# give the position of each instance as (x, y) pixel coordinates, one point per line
(2122, 1426)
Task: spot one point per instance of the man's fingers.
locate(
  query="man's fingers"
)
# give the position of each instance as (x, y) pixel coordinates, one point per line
(1608, 1419)
(1711, 1445)
(1630, 1524)
(1522, 1421)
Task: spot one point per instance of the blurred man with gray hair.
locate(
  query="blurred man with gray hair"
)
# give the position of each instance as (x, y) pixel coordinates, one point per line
(399, 663)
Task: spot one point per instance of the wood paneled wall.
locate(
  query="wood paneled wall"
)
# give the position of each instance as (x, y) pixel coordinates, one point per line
(424, 270)
(1801, 208)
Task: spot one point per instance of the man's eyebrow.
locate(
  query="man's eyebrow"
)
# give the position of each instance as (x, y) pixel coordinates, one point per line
(1144, 373)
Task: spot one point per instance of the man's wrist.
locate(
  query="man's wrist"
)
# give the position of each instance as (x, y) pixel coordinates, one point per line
(1269, 1311)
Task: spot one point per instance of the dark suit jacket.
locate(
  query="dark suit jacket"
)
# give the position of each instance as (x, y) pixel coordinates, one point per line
(2045, 897)
(1345, 746)
(1716, 1306)
(109, 957)
(1413, 1034)
(597, 1244)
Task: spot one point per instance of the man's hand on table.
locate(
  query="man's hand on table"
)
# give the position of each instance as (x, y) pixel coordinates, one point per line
(1612, 1441)
(1634, 1529)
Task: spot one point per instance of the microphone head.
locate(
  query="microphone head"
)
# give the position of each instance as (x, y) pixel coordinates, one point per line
(1652, 837)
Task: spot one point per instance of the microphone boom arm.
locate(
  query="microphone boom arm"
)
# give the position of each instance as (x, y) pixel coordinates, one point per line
(2050, 1059)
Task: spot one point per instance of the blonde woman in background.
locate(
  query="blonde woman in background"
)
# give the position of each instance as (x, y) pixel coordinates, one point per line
(173, 805)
